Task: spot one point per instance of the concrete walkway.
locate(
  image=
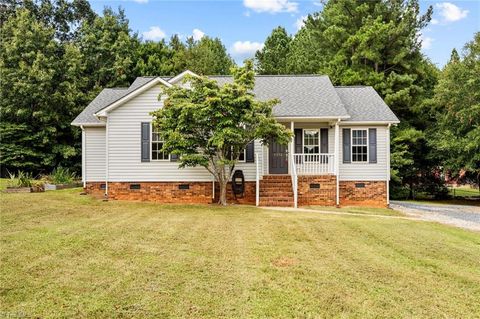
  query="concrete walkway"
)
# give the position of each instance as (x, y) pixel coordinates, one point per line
(464, 216)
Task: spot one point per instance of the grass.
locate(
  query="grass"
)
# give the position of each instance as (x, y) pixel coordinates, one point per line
(360, 210)
(463, 191)
(65, 255)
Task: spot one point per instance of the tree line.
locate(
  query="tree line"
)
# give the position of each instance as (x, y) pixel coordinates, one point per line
(56, 55)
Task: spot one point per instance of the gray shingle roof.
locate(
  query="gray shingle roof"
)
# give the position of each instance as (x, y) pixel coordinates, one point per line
(300, 96)
(364, 104)
(106, 97)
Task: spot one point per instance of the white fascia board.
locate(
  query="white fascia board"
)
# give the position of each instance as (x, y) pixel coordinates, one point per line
(346, 123)
(311, 118)
(87, 124)
(103, 112)
(179, 77)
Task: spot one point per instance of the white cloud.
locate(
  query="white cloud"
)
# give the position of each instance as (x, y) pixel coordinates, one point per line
(451, 12)
(300, 22)
(318, 3)
(246, 48)
(426, 42)
(271, 6)
(140, 1)
(434, 21)
(197, 34)
(155, 34)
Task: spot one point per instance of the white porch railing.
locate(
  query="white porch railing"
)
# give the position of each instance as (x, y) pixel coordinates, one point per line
(314, 164)
(294, 183)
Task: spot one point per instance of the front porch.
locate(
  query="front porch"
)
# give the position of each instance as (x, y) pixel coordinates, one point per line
(310, 161)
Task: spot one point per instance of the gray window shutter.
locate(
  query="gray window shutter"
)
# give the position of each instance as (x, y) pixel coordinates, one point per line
(298, 144)
(298, 140)
(324, 140)
(145, 142)
(173, 157)
(250, 152)
(347, 151)
(372, 145)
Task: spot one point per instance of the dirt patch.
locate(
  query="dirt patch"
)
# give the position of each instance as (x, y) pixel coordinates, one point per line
(284, 262)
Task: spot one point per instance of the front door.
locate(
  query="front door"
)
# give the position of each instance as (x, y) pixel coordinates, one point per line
(277, 158)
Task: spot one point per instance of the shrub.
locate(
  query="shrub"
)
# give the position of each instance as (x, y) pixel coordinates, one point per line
(21, 179)
(61, 175)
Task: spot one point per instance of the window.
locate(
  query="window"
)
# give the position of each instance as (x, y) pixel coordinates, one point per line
(157, 144)
(241, 156)
(311, 140)
(359, 145)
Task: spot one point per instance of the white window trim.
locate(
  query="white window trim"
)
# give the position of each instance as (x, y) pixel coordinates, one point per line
(151, 148)
(305, 155)
(351, 146)
(244, 156)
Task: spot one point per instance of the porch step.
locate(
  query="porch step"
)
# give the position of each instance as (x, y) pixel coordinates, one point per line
(276, 190)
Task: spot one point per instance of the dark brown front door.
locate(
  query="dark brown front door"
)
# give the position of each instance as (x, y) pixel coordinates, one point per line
(277, 158)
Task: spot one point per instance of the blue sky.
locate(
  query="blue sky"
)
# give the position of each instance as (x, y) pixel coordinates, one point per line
(243, 25)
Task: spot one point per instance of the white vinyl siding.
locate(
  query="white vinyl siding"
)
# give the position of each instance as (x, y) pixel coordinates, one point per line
(124, 147)
(365, 171)
(94, 154)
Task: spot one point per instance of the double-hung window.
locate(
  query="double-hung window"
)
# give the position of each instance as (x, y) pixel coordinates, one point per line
(359, 145)
(157, 144)
(311, 145)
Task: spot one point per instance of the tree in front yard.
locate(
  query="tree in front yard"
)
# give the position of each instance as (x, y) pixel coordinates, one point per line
(206, 124)
(456, 136)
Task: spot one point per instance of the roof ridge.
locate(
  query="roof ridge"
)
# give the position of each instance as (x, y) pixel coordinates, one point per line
(274, 75)
(352, 86)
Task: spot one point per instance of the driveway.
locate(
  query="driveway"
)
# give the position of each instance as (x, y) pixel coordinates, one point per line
(467, 217)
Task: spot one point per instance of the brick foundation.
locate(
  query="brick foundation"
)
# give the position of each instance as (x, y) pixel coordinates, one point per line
(373, 193)
(316, 190)
(169, 192)
(247, 198)
(312, 190)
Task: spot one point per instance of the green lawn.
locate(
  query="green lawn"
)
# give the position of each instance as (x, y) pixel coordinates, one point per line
(359, 210)
(66, 255)
(463, 191)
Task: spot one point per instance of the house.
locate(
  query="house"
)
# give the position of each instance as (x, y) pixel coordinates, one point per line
(340, 154)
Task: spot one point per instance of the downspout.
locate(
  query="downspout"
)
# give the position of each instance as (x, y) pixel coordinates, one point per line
(388, 164)
(337, 161)
(106, 161)
(84, 162)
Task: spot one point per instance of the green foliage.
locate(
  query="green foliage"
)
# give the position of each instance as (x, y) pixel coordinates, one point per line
(61, 175)
(207, 56)
(40, 95)
(109, 51)
(21, 179)
(456, 137)
(272, 59)
(209, 125)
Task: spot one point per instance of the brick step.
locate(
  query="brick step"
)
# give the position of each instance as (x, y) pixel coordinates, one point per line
(277, 204)
(277, 177)
(275, 184)
(276, 194)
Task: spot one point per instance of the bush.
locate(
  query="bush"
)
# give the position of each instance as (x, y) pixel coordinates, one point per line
(21, 179)
(61, 175)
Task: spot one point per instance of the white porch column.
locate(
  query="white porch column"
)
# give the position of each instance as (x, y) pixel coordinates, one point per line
(337, 162)
(291, 148)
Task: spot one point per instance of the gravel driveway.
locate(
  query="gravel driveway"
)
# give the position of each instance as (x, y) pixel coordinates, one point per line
(467, 217)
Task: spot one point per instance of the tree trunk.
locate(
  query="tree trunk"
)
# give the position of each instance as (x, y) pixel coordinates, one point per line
(222, 199)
